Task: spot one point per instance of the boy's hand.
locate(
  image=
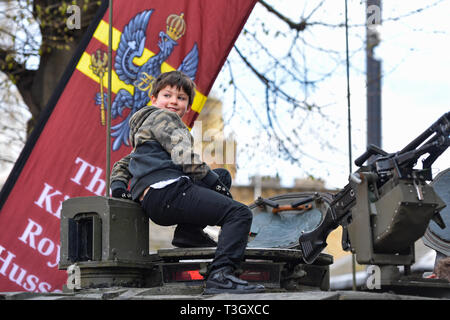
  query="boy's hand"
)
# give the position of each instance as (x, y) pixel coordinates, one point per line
(212, 180)
(121, 193)
(221, 188)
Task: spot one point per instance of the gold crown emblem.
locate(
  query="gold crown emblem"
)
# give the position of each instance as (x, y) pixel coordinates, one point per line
(176, 27)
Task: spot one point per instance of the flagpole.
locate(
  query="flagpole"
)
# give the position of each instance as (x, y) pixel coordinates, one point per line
(108, 121)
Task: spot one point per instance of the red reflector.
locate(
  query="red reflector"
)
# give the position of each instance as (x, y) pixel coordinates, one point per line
(187, 275)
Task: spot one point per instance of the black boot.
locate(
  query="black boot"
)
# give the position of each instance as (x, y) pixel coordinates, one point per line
(192, 237)
(223, 280)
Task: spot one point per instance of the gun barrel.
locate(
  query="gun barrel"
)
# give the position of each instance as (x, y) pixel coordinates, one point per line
(444, 119)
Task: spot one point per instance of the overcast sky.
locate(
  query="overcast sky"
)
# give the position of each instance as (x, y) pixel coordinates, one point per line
(415, 86)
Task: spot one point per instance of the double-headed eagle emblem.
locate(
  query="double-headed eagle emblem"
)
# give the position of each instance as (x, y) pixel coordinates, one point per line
(131, 45)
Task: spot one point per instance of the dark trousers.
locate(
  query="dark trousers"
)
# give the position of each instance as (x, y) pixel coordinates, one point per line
(192, 204)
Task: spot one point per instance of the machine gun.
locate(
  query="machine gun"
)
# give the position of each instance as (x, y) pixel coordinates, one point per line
(387, 204)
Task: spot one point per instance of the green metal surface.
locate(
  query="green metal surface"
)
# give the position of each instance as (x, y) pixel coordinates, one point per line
(282, 229)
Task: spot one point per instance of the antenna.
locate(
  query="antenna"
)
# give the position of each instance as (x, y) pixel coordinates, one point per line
(349, 126)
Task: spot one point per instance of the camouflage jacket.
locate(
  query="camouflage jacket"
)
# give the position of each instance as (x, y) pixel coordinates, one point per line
(162, 149)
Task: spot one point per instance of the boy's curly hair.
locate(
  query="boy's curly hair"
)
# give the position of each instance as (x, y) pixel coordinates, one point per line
(174, 79)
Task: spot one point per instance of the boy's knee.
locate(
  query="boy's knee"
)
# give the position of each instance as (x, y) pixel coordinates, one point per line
(245, 213)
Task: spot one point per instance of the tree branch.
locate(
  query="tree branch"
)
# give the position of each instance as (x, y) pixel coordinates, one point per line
(20, 76)
(299, 26)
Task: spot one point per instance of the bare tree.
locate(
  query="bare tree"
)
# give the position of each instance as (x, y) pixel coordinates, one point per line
(40, 46)
(281, 55)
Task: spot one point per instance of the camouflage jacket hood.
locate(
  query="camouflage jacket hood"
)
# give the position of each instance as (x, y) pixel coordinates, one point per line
(137, 119)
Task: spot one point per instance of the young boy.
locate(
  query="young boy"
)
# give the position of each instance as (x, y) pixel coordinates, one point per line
(175, 188)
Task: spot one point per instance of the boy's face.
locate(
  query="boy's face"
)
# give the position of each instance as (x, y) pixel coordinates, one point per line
(173, 99)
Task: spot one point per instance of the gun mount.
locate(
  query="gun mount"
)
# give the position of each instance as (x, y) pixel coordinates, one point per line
(387, 204)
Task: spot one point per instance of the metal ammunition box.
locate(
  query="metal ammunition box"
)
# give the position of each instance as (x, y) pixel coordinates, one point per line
(401, 218)
(103, 229)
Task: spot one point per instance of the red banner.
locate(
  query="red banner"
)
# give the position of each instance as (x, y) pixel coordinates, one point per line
(65, 156)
